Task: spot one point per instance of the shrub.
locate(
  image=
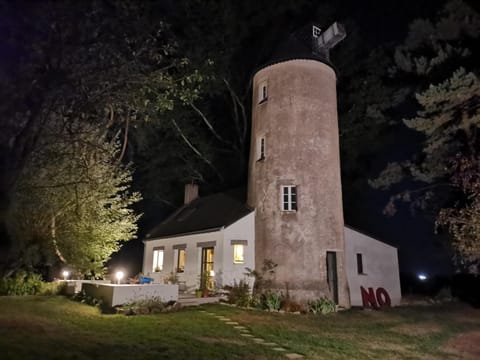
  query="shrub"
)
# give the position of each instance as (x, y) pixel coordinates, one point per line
(239, 293)
(271, 301)
(264, 277)
(83, 298)
(21, 283)
(322, 306)
(149, 306)
(53, 288)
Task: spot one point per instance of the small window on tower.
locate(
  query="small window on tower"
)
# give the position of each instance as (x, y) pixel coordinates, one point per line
(262, 92)
(289, 198)
(261, 148)
(360, 264)
(316, 31)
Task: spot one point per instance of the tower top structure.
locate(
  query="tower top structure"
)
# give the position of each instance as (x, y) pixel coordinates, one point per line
(309, 42)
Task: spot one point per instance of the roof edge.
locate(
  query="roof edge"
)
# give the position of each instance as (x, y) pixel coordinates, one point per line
(287, 59)
(185, 234)
(368, 234)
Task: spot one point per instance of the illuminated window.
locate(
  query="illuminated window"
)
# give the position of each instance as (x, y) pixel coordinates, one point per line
(260, 148)
(262, 92)
(289, 198)
(180, 260)
(238, 254)
(207, 259)
(157, 259)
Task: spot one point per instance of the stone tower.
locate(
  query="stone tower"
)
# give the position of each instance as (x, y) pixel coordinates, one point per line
(294, 169)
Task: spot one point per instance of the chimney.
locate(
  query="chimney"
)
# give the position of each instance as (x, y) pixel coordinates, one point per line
(191, 193)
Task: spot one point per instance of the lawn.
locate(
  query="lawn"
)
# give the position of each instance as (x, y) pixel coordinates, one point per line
(58, 328)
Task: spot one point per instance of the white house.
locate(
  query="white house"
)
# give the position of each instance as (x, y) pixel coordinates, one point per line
(213, 235)
(294, 211)
(372, 270)
(216, 234)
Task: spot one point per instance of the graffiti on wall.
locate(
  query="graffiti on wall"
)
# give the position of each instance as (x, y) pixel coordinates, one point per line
(375, 299)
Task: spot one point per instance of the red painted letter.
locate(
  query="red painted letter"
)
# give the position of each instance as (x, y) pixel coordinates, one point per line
(368, 298)
(383, 298)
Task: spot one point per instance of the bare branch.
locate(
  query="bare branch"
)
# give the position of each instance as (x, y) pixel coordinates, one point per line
(112, 117)
(209, 125)
(53, 186)
(195, 150)
(54, 241)
(125, 140)
(238, 102)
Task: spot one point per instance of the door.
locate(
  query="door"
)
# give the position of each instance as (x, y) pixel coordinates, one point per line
(207, 263)
(332, 278)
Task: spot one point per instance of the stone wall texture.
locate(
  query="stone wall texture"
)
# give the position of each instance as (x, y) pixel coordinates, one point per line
(299, 124)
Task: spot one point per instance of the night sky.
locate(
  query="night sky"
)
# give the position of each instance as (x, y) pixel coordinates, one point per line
(376, 23)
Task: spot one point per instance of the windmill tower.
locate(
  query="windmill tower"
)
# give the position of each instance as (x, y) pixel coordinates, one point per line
(294, 169)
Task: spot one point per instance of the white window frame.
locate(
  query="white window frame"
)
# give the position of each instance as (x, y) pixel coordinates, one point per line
(262, 91)
(158, 259)
(289, 198)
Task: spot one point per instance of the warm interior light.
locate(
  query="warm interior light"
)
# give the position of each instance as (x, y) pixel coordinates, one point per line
(119, 276)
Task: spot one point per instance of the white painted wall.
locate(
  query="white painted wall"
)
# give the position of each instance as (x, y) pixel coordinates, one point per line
(225, 270)
(191, 276)
(243, 229)
(380, 266)
(114, 295)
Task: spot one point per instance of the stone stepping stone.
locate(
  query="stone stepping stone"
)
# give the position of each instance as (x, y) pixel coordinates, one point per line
(270, 344)
(258, 340)
(279, 349)
(246, 335)
(294, 356)
(232, 323)
(239, 327)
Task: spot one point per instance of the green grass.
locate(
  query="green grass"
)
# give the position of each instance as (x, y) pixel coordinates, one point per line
(57, 328)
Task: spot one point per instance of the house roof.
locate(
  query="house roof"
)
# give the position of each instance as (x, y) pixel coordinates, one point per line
(367, 234)
(203, 214)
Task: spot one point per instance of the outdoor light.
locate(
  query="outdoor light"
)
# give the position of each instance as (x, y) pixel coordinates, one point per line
(212, 273)
(65, 274)
(119, 276)
(422, 277)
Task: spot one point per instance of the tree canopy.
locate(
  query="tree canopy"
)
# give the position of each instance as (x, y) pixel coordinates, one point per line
(438, 63)
(66, 74)
(72, 203)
